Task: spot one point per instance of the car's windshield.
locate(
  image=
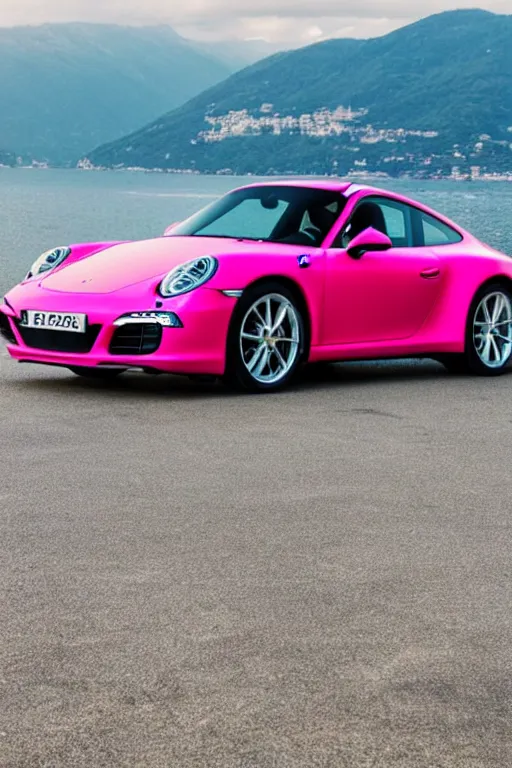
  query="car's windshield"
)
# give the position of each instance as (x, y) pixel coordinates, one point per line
(275, 214)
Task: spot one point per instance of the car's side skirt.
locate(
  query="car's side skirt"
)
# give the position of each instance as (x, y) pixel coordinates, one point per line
(386, 349)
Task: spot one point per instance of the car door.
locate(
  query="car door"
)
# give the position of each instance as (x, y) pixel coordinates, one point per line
(382, 295)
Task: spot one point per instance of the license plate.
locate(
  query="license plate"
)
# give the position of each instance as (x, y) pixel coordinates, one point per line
(55, 321)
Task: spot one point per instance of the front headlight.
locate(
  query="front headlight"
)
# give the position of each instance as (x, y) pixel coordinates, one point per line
(48, 260)
(188, 276)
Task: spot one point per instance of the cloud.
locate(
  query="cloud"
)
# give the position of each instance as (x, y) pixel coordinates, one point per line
(286, 21)
(313, 33)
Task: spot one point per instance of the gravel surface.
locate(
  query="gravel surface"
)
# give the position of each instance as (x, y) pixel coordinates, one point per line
(318, 578)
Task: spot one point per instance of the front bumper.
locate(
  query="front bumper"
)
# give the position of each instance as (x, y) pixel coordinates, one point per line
(199, 347)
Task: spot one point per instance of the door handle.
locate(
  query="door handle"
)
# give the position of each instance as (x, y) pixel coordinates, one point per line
(430, 273)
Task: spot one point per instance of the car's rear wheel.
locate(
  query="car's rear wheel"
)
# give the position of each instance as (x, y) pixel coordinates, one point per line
(488, 334)
(267, 338)
(104, 374)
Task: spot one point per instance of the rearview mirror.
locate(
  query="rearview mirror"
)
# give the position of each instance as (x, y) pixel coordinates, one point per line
(368, 240)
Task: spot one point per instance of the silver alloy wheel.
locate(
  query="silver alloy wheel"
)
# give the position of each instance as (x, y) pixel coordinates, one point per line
(492, 329)
(270, 337)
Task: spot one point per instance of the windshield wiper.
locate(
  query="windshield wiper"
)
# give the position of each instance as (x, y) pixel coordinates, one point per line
(232, 237)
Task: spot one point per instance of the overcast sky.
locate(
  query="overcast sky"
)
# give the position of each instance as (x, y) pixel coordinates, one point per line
(283, 22)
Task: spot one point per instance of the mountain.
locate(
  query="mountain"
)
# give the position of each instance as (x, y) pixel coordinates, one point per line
(238, 54)
(425, 99)
(67, 87)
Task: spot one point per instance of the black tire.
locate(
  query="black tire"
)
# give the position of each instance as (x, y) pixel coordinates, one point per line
(470, 361)
(103, 374)
(237, 374)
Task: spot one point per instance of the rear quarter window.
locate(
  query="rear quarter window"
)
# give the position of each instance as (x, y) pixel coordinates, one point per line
(436, 232)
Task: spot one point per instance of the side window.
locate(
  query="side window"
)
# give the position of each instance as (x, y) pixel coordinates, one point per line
(396, 218)
(383, 214)
(436, 232)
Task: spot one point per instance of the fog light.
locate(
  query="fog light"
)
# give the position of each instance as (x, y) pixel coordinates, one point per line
(165, 319)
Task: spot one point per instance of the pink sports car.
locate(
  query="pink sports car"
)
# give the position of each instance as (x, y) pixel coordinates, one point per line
(267, 278)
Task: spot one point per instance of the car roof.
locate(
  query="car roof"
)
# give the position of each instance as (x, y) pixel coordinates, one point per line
(333, 185)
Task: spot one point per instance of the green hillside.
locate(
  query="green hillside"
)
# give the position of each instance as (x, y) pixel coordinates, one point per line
(423, 99)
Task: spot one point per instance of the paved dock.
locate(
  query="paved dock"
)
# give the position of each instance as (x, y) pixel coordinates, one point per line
(319, 578)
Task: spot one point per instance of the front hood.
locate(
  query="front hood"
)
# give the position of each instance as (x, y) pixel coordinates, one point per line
(127, 264)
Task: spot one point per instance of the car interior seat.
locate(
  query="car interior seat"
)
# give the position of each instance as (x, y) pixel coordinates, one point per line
(365, 216)
(323, 220)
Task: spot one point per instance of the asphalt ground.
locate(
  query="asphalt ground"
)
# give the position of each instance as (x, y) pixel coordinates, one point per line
(316, 578)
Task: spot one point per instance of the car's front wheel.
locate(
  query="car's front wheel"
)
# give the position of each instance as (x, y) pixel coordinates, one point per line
(488, 334)
(267, 338)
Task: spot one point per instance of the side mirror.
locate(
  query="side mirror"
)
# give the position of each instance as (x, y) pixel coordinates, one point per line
(368, 240)
(169, 229)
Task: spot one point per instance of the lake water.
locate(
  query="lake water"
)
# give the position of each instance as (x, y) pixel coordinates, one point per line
(41, 209)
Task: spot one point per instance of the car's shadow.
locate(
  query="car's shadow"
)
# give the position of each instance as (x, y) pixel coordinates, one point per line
(312, 378)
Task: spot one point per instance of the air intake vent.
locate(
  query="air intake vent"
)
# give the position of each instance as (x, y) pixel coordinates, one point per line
(5, 329)
(136, 339)
(59, 341)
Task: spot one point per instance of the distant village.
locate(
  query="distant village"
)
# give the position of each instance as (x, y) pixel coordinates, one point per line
(416, 150)
(345, 121)
(322, 123)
